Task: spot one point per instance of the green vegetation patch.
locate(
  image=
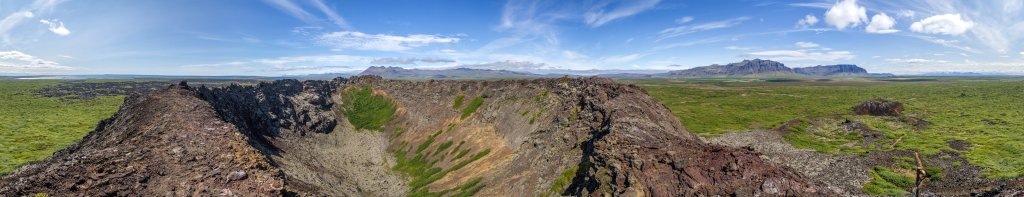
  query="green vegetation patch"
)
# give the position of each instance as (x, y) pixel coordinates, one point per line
(473, 105)
(562, 182)
(458, 101)
(984, 112)
(540, 97)
(424, 167)
(34, 127)
(366, 110)
(885, 182)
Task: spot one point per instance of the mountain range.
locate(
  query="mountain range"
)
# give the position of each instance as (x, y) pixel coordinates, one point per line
(457, 73)
(745, 68)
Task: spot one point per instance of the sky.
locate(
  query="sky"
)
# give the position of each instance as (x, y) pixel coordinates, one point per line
(296, 37)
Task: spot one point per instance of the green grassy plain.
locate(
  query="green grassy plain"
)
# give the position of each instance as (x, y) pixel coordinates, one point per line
(34, 127)
(986, 112)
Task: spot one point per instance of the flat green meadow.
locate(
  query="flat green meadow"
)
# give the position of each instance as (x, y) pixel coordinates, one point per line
(988, 113)
(34, 127)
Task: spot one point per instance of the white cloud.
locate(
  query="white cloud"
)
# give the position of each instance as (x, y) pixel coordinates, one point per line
(572, 55)
(622, 58)
(512, 65)
(807, 21)
(915, 61)
(18, 62)
(949, 24)
(683, 30)
(38, 7)
(846, 13)
(311, 64)
(380, 42)
(881, 24)
(819, 4)
(956, 44)
(798, 55)
(1022, 53)
(600, 14)
(407, 61)
(906, 13)
(738, 48)
(807, 44)
(56, 26)
(685, 19)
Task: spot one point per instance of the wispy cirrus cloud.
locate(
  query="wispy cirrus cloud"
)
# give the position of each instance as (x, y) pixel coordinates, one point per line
(807, 44)
(513, 65)
(688, 29)
(380, 42)
(409, 61)
(608, 11)
(808, 52)
(296, 10)
(915, 61)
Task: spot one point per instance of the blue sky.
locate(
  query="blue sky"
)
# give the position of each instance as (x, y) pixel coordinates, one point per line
(290, 37)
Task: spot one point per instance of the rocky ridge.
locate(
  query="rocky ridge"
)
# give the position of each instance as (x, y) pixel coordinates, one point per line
(564, 136)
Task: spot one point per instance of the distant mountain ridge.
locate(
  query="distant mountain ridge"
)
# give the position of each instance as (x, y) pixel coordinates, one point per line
(746, 68)
(768, 68)
(391, 72)
(833, 70)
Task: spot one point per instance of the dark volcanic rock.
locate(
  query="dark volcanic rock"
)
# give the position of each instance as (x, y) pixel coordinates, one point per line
(746, 68)
(276, 108)
(832, 70)
(200, 141)
(879, 107)
(165, 143)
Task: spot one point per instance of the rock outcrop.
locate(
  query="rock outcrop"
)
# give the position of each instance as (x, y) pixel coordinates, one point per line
(879, 107)
(563, 136)
(169, 143)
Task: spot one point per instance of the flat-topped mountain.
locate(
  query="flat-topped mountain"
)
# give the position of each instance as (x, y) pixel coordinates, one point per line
(832, 70)
(456, 73)
(746, 68)
(767, 68)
